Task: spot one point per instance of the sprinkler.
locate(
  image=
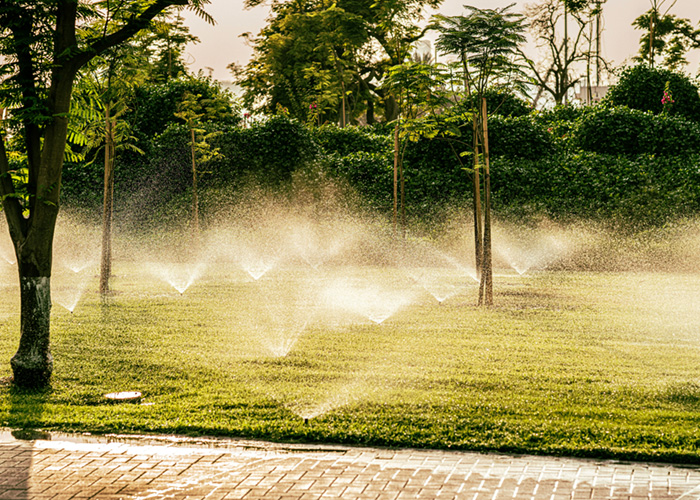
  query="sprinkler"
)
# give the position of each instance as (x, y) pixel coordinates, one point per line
(306, 421)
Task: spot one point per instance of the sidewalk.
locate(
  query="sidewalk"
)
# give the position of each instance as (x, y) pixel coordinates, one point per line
(120, 467)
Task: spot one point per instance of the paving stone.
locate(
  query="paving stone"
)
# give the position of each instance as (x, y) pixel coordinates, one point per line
(140, 469)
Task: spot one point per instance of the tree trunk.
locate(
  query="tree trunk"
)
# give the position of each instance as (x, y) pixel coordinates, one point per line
(370, 110)
(106, 261)
(478, 247)
(403, 194)
(32, 231)
(396, 177)
(195, 199)
(486, 284)
(32, 365)
(391, 109)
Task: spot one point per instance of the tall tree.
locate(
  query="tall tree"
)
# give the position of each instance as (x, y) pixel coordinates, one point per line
(563, 50)
(44, 44)
(665, 35)
(314, 50)
(418, 88)
(487, 43)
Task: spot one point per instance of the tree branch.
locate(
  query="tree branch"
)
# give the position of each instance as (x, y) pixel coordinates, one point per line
(133, 26)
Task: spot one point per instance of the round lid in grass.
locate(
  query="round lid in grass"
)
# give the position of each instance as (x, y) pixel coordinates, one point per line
(124, 396)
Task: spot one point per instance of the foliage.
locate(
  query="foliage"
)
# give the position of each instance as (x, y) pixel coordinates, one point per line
(631, 132)
(153, 105)
(645, 188)
(344, 141)
(486, 41)
(519, 137)
(370, 173)
(269, 151)
(501, 101)
(329, 54)
(642, 87)
(665, 35)
(167, 41)
(417, 88)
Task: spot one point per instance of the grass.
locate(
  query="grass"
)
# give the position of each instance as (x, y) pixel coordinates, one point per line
(566, 363)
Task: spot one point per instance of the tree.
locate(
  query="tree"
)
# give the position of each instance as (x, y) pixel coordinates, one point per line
(330, 53)
(418, 89)
(192, 110)
(665, 35)
(44, 44)
(563, 51)
(486, 42)
(167, 41)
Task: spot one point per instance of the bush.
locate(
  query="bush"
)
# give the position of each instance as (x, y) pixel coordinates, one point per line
(371, 174)
(520, 137)
(270, 151)
(344, 141)
(498, 102)
(434, 175)
(644, 188)
(641, 87)
(631, 132)
(153, 106)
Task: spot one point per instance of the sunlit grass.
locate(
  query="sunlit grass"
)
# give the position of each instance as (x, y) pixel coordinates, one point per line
(588, 364)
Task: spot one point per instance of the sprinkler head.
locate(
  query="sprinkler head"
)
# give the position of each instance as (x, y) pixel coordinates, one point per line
(306, 421)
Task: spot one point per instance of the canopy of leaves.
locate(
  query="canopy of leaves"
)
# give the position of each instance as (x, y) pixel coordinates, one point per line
(667, 36)
(642, 87)
(486, 41)
(153, 106)
(317, 53)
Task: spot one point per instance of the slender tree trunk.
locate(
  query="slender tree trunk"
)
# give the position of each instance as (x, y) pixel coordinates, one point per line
(478, 247)
(565, 78)
(652, 19)
(486, 283)
(195, 199)
(396, 178)
(597, 45)
(106, 260)
(403, 195)
(370, 111)
(344, 118)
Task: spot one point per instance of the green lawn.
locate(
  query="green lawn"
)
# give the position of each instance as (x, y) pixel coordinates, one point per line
(571, 363)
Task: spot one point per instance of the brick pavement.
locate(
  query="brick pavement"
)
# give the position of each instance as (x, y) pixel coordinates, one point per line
(62, 467)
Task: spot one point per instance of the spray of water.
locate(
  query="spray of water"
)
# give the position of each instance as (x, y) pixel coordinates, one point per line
(180, 276)
(371, 300)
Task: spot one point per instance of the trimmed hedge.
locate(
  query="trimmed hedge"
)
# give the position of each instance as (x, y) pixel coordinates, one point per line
(579, 161)
(631, 132)
(646, 187)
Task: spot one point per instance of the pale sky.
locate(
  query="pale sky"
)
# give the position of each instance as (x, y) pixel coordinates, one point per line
(221, 44)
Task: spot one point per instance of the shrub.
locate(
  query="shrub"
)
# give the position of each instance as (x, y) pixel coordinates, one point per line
(371, 174)
(520, 137)
(641, 87)
(630, 132)
(153, 105)
(434, 175)
(643, 188)
(270, 151)
(344, 141)
(498, 102)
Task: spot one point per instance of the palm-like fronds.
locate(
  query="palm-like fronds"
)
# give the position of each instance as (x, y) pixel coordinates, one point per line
(485, 40)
